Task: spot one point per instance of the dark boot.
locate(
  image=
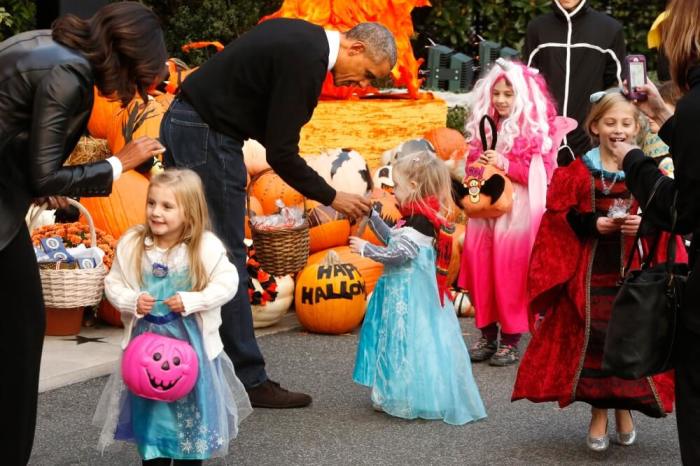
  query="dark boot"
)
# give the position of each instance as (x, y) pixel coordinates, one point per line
(269, 394)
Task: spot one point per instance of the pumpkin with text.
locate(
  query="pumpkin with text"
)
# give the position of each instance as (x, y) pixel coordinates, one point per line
(369, 269)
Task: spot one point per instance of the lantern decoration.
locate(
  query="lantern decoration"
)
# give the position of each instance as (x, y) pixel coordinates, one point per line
(330, 296)
(254, 157)
(267, 187)
(327, 227)
(122, 209)
(388, 209)
(447, 142)
(462, 303)
(159, 368)
(344, 169)
(270, 297)
(382, 179)
(369, 269)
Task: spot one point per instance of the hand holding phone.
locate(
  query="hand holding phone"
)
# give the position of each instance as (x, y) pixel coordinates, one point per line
(636, 72)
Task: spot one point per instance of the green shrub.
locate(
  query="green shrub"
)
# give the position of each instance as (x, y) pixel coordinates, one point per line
(16, 16)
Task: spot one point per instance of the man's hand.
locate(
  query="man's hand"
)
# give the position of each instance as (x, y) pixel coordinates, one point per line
(138, 151)
(352, 205)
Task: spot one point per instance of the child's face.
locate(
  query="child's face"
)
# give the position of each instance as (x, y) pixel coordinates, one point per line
(618, 124)
(402, 187)
(569, 5)
(164, 215)
(502, 97)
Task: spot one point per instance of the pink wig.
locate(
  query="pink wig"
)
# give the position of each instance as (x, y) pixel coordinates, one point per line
(529, 127)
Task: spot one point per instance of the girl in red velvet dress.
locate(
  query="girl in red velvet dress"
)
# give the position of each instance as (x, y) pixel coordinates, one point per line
(574, 271)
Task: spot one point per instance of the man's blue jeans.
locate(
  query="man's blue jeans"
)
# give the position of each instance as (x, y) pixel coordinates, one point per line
(218, 160)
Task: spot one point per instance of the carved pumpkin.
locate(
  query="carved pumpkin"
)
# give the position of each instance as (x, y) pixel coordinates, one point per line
(369, 269)
(122, 209)
(385, 204)
(490, 191)
(254, 157)
(268, 186)
(159, 368)
(447, 142)
(344, 169)
(382, 179)
(327, 227)
(330, 296)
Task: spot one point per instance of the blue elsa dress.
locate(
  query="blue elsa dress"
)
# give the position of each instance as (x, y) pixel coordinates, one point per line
(411, 351)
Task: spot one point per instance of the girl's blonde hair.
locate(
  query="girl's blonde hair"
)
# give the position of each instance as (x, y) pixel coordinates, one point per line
(189, 194)
(680, 39)
(429, 175)
(612, 98)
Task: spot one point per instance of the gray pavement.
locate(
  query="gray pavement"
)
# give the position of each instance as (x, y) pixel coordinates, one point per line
(340, 428)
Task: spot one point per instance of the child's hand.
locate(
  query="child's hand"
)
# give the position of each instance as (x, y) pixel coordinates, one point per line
(357, 244)
(145, 303)
(631, 225)
(175, 303)
(491, 157)
(606, 225)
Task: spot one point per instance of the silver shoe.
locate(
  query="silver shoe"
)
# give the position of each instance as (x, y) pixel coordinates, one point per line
(598, 443)
(626, 439)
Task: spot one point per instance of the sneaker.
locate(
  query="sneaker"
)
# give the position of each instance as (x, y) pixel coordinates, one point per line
(482, 350)
(269, 394)
(505, 356)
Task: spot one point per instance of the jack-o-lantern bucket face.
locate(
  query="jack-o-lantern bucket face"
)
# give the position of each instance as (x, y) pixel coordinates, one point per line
(159, 368)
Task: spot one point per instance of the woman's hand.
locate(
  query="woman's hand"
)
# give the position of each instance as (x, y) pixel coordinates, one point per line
(654, 106)
(606, 226)
(175, 303)
(53, 202)
(620, 151)
(631, 225)
(357, 244)
(145, 303)
(138, 151)
(491, 157)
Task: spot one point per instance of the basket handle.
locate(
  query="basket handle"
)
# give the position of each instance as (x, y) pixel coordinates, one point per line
(247, 195)
(74, 203)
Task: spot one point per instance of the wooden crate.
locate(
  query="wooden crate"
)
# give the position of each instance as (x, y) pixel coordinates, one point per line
(370, 126)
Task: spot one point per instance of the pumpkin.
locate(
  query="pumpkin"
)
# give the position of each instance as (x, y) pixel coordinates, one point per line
(369, 269)
(255, 207)
(344, 169)
(270, 297)
(268, 186)
(327, 227)
(122, 209)
(382, 178)
(462, 303)
(385, 204)
(447, 142)
(330, 296)
(159, 368)
(109, 313)
(254, 157)
(456, 258)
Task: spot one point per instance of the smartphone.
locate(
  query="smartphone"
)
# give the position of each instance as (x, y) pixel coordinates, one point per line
(636, 72)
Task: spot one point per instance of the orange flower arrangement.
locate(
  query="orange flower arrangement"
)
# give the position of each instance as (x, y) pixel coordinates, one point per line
(74, 234)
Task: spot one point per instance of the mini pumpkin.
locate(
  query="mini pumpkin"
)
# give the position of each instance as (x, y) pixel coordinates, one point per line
(330, 296)
(462, 303)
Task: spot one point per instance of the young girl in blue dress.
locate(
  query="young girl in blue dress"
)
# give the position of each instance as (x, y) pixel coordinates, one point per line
(411, 351)
(170, 277)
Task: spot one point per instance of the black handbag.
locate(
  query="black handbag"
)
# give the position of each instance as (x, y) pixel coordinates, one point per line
(642, 327)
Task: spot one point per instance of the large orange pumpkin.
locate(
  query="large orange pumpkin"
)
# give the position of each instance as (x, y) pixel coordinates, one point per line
(369, 269)
(385, 204)
(330, 296)
(447, 142)
(122, 209)
(268, 186)
(327, 227)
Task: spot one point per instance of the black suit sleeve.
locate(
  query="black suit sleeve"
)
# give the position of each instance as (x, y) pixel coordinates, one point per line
(292, 100)
(59, 96)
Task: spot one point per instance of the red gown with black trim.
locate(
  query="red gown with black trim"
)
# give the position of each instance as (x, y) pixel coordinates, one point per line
(573, 283)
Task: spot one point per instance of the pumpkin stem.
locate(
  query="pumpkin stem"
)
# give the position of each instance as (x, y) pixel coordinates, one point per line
(331, 258)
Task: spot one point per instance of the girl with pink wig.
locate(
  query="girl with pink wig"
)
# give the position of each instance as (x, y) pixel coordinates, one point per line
(497, 250)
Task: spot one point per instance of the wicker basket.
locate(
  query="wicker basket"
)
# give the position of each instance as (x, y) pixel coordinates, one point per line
(66, 288)
(282, 251)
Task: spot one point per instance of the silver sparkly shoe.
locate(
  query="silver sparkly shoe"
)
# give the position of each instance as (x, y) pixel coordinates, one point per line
(626, 439)
(598, 443)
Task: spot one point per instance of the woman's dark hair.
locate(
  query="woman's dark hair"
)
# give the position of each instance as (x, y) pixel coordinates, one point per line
(124, 43)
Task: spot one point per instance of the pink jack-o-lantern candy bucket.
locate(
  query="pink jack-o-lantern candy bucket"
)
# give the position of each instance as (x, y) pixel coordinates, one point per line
(159, 368)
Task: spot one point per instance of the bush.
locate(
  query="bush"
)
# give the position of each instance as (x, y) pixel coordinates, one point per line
(16, 16)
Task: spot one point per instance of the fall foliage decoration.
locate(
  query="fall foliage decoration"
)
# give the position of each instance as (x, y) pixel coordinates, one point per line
(75, 234)
(330, 296)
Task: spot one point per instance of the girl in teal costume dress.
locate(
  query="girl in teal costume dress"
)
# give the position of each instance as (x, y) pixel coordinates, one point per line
(411, 351)
(170, 277)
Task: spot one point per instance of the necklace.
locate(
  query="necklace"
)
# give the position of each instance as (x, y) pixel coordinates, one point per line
(607, 188)
(159, 269)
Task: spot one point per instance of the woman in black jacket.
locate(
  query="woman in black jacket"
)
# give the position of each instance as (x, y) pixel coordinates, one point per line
(680, 131)
(46, 94)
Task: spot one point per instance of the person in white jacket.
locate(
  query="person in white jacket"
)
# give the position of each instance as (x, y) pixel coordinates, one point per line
(170, 277)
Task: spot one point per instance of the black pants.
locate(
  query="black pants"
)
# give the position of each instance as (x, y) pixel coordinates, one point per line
(21, 339)
(218, 160)
(688, 395)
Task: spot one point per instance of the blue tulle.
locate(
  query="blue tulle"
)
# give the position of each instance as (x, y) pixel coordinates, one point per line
(411, 351)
